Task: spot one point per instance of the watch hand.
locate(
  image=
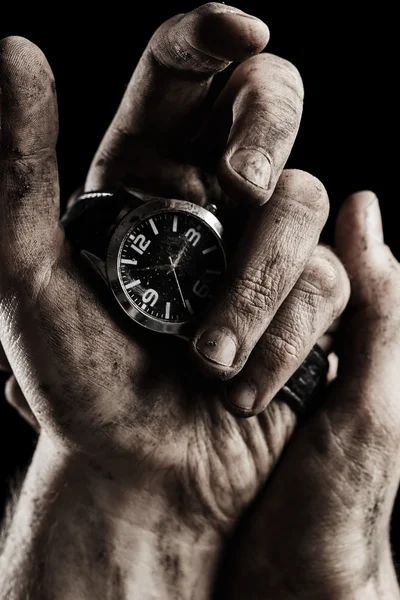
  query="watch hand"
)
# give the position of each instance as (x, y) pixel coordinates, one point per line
(154, 268)
(180, 254)
(177, 281)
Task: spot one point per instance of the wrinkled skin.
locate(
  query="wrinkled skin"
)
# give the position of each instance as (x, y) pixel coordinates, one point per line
(95, 383)
(321, 528)
(141, 408)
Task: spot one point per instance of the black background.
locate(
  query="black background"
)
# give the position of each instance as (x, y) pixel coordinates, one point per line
(348, 136)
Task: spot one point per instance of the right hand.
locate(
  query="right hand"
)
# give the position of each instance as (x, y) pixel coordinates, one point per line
(135, 400)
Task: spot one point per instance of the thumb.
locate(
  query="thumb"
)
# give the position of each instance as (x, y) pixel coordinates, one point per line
(30, 234)
(363, 407)
(326, 513)
(370, 354)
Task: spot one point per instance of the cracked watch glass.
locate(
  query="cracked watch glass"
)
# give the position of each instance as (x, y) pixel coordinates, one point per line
(165, 263)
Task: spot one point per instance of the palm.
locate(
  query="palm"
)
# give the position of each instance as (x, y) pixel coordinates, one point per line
(113, 391)
(92, 381)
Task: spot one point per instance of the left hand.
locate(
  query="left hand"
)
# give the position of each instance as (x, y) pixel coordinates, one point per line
(321, 528)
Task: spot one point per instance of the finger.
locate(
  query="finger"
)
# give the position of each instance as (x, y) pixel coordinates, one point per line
(327, 343)
(161, 108)
(16, 398)
(370, 352)
(278, 242)
(29, 202)
(253, 127)
(46, 304)
(333, 367)
(360, 427)
(343, 466)
(317, 299)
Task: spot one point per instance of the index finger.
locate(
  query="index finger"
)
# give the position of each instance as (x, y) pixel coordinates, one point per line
(161, 107)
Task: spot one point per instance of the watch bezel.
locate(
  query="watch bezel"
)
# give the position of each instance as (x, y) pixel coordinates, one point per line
(146, 210)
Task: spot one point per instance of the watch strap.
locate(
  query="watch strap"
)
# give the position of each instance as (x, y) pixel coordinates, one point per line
(89, 223)
(302, 390)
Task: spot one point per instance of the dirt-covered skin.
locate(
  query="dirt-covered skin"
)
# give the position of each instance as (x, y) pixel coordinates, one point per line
(321, 527)
(136, 442)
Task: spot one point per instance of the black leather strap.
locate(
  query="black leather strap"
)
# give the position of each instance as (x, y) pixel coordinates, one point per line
(90, 222)
(303, 388)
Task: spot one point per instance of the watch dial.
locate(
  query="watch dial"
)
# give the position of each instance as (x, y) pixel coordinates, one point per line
(170, 265)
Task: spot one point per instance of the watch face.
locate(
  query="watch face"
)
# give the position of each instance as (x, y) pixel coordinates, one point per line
(169, 265)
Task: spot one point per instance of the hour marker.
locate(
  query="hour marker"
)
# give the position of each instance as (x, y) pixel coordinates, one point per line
(175, 223)
(138, 249)
(193, 236)
(153, 226)
(167, 309)
(189, 306)
(132, 284)
(210, 249)
(128, 261)
(211, 272)
(144, 305)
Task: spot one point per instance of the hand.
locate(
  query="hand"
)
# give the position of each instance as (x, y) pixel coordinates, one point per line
(126, 421)
(181, 252)
(321, 527)
(177, 281)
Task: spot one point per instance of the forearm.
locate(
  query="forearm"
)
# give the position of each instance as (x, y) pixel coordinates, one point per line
(74, 536)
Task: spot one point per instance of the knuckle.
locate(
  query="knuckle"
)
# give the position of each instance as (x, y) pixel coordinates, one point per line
(301, 187)
(324, 278)
(168, 50)
(286, 71)
(252, 294)
(174, 44)
(284, 117)
(280, 74)
(282, 346)
(272, 121)
(274, 94)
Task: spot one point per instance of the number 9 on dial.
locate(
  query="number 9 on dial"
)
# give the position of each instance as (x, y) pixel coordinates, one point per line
(165, 262)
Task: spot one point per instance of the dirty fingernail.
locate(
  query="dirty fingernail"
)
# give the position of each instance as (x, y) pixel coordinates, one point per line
(218, 347)
(253, 166)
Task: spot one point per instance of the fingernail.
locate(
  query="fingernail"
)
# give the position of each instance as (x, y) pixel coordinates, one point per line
(373, 220)
(252, 165)
(217, 346)
(243, 396)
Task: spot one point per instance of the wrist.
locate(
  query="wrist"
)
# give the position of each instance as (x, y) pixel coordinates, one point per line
(257, 577)
(91, 530)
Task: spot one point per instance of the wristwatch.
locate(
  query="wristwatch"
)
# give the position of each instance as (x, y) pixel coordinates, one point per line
(161, 258)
